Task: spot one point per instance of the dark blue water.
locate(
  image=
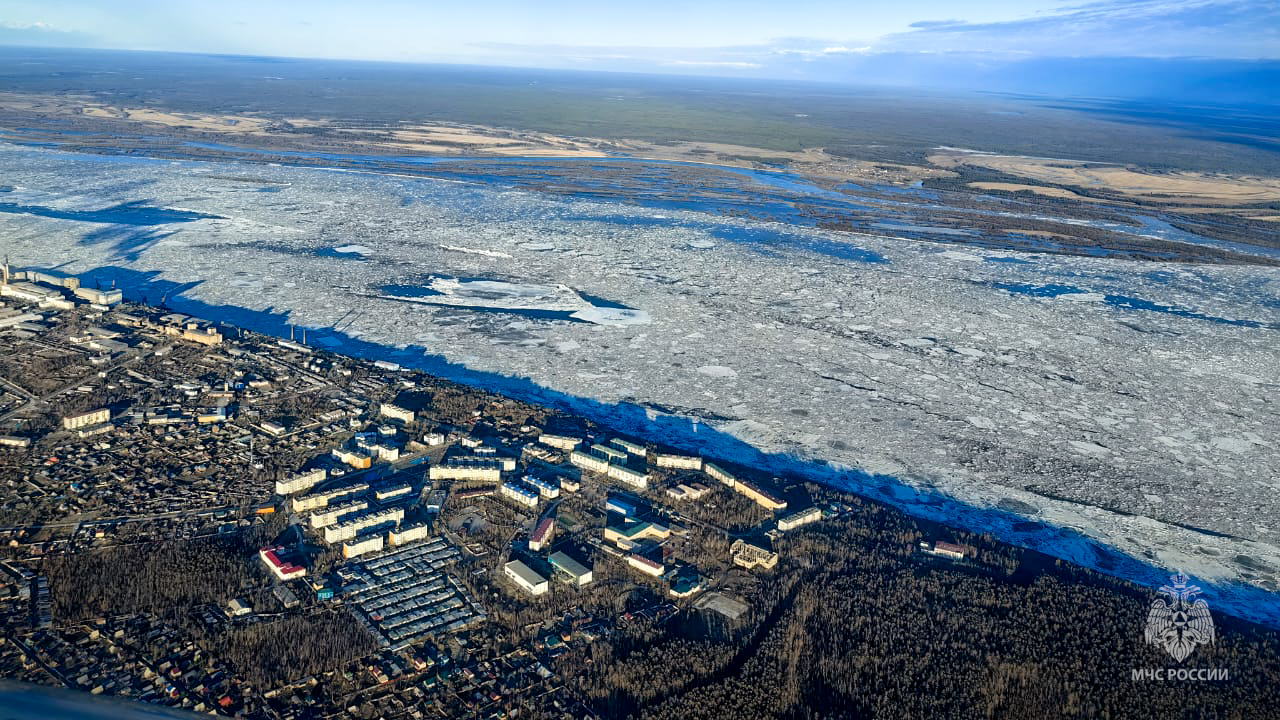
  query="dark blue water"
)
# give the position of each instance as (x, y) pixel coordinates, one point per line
(134, 213)
(1124, 301)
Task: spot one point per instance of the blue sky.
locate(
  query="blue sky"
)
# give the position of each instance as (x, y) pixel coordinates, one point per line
(813, 39)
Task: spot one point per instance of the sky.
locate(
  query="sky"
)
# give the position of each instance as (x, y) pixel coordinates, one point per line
(801, 39)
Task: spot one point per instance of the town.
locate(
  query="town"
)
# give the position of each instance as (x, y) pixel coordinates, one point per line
(450, 545)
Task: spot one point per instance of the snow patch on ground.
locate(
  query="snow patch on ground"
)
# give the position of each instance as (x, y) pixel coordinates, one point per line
(718, 371)
(475, 251)
(354, 250)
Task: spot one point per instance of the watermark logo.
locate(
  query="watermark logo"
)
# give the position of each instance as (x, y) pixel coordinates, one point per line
(1181, 624)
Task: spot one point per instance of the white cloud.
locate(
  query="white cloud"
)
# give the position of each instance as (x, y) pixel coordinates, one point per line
(713, 63)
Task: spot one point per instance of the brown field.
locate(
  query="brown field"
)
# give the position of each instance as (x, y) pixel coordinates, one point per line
(1171, 188)
(1037, 189)
(449, 139)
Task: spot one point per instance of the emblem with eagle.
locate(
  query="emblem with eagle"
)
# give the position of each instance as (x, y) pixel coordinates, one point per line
(1180, 625)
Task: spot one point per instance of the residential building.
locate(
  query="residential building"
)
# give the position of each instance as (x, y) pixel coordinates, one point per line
(795, 520)
(395, 412)
(681, 462)
(559, 442)
(543, 535)
(630, 447)
(627, 476)
(373, 543)
(301, 482)
(519, 494)
(93, 417)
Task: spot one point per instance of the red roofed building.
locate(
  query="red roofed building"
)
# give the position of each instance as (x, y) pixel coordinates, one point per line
(280, 568)
(543, 534)
(645, 565)
(946, 549)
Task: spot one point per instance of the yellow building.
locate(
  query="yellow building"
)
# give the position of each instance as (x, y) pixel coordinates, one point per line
(93, 417)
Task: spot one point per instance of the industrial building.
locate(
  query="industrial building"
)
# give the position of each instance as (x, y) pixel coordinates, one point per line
(576, 571)
(204, 336)
(795, 520)
(543, 535)
(99, 297)
(525, 577)
(93, 417)
(301, 482)
(518, 493)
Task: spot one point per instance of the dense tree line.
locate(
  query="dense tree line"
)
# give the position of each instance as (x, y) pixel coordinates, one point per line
(854, 623)
(270, 654)
(163, 579)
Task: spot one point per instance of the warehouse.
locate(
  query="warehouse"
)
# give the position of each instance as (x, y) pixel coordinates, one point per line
(525, 577)
(577, 572)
